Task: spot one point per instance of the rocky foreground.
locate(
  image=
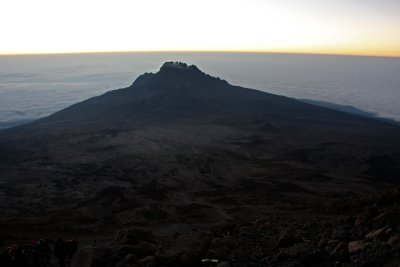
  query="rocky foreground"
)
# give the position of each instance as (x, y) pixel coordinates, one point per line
(362, 232)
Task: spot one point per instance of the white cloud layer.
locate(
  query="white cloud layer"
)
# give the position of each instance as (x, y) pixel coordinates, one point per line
(32, 87)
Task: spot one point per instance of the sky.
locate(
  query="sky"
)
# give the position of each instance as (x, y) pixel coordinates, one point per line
(356, 27)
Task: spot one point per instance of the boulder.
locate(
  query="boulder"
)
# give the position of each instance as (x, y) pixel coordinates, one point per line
(386, 218)
(340, 234)
(184, 250)
(93, 257)
(361, 219)
(340, 251)
(322, 242)
(376, 233)
(372, 254)
(127, 261)
(288, 238)
(331, 245)
(141, 249)
(307, 253)
(130, 258)
(124, 250)
(149, 261)
(133, 236)
(355, 246)
(394, 240)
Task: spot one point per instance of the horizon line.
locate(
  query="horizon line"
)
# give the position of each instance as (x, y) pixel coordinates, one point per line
(204, 51)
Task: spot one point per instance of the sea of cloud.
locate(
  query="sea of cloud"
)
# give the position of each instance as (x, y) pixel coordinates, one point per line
(33, 87)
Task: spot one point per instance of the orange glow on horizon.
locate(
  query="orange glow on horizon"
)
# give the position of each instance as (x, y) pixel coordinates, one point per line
(360, 53)
(341, 27)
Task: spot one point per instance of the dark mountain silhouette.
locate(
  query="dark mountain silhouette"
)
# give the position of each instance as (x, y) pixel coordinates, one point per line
(180, 150)
(180, 92)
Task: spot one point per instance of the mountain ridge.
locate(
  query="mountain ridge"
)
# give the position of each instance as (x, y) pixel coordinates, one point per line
(183, 92)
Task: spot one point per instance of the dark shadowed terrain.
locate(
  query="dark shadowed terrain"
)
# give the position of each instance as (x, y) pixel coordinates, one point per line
(182, 166)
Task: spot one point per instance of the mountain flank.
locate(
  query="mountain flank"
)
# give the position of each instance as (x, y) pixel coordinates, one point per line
(206, 170)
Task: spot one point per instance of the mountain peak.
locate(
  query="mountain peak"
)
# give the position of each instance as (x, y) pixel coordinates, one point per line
(178, 66)
(178, 73)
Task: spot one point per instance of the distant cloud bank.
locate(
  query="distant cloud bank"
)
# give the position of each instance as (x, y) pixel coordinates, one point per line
(33, 87)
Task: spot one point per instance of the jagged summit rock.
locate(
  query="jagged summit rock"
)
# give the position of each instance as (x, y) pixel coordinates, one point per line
(176, 65)
(178, 73)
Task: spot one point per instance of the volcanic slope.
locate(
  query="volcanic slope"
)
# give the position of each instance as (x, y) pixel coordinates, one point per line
(181, 149)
